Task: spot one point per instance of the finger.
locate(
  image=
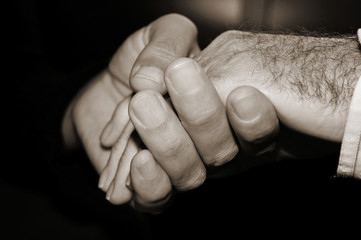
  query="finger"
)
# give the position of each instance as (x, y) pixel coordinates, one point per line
(201, 111)
(118, 125)
(253, 119)
(108, 173)
(170, 37)
(151, 185)
(115, 135)
(166, 139)
(119, 191)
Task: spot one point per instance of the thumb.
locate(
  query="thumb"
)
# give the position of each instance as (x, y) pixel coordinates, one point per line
(166, 39)
(141, 60)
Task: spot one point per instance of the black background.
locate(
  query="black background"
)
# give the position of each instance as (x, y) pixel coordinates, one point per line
(56, 46)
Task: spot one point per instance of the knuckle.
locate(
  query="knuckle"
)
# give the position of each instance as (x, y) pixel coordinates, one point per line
(224, 154)
(227, 35)
(203, 119)
(173, 148)
(125, 197)
(164, 50)
(148, 77)
(181, 19)
(193, 180)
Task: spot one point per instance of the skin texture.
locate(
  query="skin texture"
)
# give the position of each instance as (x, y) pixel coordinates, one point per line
(92, 109)
(254, 77)
(308, 79)
(316, 108)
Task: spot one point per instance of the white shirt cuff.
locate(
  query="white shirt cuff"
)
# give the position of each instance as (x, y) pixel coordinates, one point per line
(350, 157)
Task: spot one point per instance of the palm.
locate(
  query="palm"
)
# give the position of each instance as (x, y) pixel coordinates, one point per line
(97, 102)
(92, 111)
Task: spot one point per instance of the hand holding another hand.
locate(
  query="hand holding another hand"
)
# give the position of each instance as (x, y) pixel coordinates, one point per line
(175, 156)
(218, 113)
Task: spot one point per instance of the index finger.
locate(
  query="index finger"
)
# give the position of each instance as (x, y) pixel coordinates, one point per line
(163, 134)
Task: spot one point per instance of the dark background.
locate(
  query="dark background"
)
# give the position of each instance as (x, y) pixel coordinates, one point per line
(56, 46)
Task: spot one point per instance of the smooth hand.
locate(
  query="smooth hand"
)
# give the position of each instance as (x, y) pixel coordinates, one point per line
(138, 64)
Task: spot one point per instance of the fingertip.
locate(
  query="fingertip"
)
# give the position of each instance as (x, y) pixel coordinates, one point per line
(106, 138)
(251, 114)
(102, 180)
(148, 111)
(121, 192)
(109, 191)
(106, 178)
(185, 21)
(139, 95)
(143, 165)
(178, 64)
(149, 181)
(147, 77)
(118, 195)
(117, 124)
(244, 102)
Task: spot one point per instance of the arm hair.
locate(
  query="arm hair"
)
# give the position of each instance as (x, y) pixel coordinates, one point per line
(320, 67)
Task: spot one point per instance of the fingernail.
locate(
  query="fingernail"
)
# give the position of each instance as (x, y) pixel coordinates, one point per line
(147, 169)
(185, 77)
(149, 110)
(247, 106)
(146, 77)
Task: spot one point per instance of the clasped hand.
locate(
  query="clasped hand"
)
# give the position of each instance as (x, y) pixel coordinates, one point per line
(177, 139)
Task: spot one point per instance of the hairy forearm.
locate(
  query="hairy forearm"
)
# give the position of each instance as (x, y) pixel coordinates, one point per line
(307, 78)
(323, 69)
